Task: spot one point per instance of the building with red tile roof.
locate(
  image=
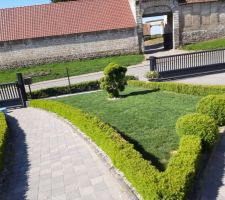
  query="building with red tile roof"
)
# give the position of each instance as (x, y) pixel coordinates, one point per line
(67, 30)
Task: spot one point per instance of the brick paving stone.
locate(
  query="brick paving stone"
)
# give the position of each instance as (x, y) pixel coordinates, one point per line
(53, 162)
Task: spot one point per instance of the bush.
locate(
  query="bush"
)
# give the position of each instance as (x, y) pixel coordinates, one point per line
(152, 75)
(3, 133)
(114, 79)
(198, 124)
(56, 91)
(214, 106)
(174, 183)
(200, 90)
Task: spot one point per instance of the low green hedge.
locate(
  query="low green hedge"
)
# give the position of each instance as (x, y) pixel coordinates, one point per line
(56, 91)
(3, 133)
(214, 106)
(198, 124)
(201, 90)
(79, 87)
(174, 183)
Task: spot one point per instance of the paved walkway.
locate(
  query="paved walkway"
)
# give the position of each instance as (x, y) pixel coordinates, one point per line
(213, 79)
(137, 70)
(214, 180)
(52, 161)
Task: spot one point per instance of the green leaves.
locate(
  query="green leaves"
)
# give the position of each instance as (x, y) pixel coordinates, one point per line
(114, 79)
(3, 133)
(214, 106)
(198, 124)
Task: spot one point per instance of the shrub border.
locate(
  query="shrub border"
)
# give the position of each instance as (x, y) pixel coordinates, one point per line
(151, 184)
(3, 135)
(200, 90)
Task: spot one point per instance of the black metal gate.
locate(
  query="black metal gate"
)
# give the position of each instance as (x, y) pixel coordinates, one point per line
(13, 94)
(189, 64)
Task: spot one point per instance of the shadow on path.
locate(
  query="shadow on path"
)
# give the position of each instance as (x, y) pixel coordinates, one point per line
(15, 181)
(214, 174)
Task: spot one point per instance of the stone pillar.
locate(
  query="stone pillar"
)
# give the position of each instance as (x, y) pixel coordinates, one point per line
(176, 27)
(139, 26)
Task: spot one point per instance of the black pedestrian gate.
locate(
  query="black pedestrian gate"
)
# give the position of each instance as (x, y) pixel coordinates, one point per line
(13, 94)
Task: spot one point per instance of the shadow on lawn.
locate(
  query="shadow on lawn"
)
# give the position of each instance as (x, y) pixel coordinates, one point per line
(138, 93)
(146, 155)
(15, 180)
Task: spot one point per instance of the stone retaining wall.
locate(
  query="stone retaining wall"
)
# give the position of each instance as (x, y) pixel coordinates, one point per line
(64, 48)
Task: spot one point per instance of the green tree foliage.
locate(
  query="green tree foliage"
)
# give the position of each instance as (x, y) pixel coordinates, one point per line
(114, 79)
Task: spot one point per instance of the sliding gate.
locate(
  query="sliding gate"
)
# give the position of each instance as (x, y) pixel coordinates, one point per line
(189, 64)
(13, 94)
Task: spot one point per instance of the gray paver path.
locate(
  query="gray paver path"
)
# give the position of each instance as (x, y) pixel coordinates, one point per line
(52, 161)
(213, 187)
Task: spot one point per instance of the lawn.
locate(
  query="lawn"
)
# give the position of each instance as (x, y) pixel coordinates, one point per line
(206, 45)
(145, 118)
(58, 70)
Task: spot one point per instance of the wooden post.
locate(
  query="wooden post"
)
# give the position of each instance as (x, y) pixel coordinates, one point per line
(22, 88)
(152, 60)
(68, 77)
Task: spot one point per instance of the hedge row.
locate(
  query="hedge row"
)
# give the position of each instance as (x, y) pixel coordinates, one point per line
(150, 183)
(201, 90)
(3, 133)
(56, 91)
(214, 106)
(79, 87)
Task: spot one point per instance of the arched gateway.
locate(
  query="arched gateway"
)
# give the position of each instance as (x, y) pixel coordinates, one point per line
(149, 8)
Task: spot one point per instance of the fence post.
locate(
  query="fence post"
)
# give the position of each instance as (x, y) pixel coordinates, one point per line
(22, 88)
(68, 77)
(152, 60)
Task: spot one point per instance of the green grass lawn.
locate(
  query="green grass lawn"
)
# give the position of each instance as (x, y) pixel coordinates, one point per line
(145, 118)
(58, 70)
(206, 45)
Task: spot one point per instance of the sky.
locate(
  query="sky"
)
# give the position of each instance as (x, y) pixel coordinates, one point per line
(155, 29)
(18, 3)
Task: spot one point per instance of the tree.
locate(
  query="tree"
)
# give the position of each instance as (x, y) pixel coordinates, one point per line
(114, 79)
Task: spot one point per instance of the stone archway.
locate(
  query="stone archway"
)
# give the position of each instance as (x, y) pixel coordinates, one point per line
(149, 8)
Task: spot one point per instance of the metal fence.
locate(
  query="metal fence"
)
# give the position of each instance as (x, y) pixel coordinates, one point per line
(13, 94)
(9, 91)
(188, 61)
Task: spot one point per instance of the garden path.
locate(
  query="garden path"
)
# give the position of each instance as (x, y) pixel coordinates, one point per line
(52, 160)
(213, 185)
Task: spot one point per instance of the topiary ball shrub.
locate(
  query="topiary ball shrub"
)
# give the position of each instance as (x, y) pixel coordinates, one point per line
(114, 79)
(214, 106)
(198, 124)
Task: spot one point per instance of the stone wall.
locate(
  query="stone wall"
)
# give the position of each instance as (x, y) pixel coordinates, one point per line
(202, 21)
(80, 46)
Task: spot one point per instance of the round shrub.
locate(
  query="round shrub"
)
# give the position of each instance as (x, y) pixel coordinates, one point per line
(198, 124)
(214, 106)
(114, 79)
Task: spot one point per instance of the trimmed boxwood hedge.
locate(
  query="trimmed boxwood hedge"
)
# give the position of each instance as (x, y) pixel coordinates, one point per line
(56, 91)
(79, 87)
(198, 124)
(150, 183)
(200, 90)
(214, 106)
(3, 133)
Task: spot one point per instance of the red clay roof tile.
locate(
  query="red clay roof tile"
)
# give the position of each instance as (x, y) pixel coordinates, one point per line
(66, 18)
